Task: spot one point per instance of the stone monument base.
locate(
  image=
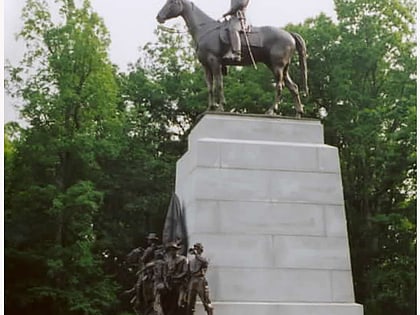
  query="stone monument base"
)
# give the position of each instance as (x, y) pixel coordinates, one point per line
(264, 196)
(261, 308)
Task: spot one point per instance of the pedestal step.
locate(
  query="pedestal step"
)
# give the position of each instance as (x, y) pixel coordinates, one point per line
(258, 127)
(249, 308)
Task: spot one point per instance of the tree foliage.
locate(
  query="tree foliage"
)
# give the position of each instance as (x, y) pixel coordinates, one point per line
(70, 93)
(362, 71)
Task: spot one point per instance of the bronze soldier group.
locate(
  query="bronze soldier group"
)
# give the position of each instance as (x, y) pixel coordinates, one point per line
(168, 283)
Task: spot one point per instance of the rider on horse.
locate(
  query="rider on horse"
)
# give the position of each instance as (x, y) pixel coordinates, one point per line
(236, 23)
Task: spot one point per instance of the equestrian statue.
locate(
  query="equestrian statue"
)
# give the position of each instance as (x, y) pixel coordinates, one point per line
(230, 42)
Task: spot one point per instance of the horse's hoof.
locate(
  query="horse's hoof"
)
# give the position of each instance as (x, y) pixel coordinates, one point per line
(224, 70)
(215, 108)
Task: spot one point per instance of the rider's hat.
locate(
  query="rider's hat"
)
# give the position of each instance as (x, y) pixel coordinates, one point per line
(198, 246)
(173, 245)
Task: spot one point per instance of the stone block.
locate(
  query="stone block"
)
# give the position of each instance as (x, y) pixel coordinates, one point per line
(342, 286)
(311, 252)
(227, 184)
(335, 221)
(184, 167)
(207, 217)
(263, 308)
(257, 127)
(269, 285)
(274, 186)
(267, 155)
(306, 187)
(268, 251)
(237, 250)
(207, 152)
(328, 160)
(258, 218)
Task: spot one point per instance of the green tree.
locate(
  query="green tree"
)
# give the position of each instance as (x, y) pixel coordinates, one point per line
(380, 160)
(159, 107)
(362, 71)
(11, 134)
(70, 94)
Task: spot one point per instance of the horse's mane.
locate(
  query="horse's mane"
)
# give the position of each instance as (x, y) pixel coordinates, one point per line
(203, 16)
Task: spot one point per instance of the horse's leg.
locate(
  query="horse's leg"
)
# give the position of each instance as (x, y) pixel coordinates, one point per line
(278, 77)
(293, 88)
(216, 69)
(210, 87)
(220, 94)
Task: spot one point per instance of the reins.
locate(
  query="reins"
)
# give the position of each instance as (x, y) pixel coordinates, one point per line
(171, 30)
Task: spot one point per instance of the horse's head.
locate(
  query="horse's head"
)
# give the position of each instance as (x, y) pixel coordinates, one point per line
(171, 9)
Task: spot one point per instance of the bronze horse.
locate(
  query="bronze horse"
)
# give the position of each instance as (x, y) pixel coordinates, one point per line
(275, 50)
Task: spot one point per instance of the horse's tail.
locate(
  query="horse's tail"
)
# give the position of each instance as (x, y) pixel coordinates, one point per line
(301, 49)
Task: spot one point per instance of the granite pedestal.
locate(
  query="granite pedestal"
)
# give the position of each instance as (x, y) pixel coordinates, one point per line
(264, 196)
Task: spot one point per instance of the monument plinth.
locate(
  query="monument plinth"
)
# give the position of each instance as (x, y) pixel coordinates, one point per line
(264, 196)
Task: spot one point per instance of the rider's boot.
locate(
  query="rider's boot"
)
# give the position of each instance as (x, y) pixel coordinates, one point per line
(235, 42)
(233, 55)
(237, 55)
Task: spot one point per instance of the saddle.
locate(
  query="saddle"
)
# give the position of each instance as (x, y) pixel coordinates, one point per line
(254, 37)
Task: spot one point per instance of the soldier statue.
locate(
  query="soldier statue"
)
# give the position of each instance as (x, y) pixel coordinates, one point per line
(159, 281)
(176, 277)
(198, 284)
(152, 246)
(168, 284)
(143, 288)
(236, 23)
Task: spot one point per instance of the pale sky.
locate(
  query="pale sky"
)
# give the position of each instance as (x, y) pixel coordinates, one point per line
(131, 24)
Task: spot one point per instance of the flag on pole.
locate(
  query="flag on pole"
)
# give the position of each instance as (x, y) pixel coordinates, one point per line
(175, 228)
